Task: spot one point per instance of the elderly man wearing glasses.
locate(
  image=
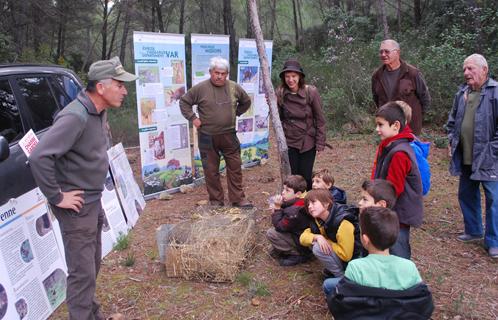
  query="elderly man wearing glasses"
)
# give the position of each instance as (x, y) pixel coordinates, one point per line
(398, 80)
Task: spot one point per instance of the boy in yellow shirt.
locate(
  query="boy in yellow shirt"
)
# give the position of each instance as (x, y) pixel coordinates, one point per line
(334, 234)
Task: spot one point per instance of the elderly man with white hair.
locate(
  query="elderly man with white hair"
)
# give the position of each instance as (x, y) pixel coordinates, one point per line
(219, 101)
(473, 135)
(398, 80)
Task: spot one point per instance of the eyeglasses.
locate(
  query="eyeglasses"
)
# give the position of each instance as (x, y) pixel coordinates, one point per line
(387, 51)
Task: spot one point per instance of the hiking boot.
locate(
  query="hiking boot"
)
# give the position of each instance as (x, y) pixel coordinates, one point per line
(468, 237)
(493, 252)
(216, 203)
(292, 260)
(244, 203)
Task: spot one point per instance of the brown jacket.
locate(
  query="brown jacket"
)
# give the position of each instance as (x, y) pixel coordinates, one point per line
(302, 118)
(217, 106)
(406, 90)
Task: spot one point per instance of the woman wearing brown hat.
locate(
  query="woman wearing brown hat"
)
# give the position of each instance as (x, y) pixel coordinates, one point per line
(300, 109)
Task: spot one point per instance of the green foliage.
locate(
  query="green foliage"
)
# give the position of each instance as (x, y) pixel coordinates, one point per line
(255, 288)
(122, 242)
(129, 261)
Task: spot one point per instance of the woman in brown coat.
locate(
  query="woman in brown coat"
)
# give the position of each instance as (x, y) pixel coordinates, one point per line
(303, 121)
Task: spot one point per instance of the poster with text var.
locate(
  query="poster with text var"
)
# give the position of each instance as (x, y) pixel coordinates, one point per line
(164, 140)
(252, 126)
(205, 47)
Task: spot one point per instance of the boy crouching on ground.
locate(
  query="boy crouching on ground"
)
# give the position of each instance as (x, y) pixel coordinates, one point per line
(322, 179)
(380, 279)
(374, 193)
(334, 233)
(289, 220)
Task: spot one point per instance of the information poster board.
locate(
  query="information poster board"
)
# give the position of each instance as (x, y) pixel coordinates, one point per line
(163, 131)
(252, 126)
(205, 47)
(131, 197)
(114, 220)
(33, 281)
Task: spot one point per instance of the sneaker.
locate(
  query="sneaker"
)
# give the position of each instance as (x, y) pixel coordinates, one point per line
(292, 260)
(275, 254)
(493, 252)
(244, 203)
(468, 237)
(326, 273)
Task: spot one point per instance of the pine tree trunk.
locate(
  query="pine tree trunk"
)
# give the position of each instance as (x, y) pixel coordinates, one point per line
(275, 118)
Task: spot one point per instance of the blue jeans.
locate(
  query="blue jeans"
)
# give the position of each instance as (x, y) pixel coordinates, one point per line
(469, 196)
(401, 247)
(329, 285)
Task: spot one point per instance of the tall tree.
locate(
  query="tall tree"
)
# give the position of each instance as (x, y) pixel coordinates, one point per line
(182, 16)
(228, 28)
(383, 16)
(265, 69)
(296, 24)
(417, 12)
(398, 14)
(126, 27)
(103, 31)
(249, 30)
(273, 17)
(61, 29)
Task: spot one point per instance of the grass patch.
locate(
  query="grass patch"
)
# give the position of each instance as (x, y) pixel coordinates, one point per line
(123, 242)
(261, 290)
(244, 278)
(129, 261)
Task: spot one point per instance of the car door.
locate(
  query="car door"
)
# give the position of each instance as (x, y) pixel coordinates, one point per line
(28, 102)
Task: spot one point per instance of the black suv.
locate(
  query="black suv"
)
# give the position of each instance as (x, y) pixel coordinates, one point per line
(30, 97)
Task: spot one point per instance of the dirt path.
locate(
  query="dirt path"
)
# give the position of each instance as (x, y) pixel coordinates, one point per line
(463, 279)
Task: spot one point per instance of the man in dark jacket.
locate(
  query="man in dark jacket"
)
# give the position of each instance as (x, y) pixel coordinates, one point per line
(473, 136)
(398, 80)
(70, 165)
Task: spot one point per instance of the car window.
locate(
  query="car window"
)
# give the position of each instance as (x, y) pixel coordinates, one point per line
(10, 120)
(69, 86)
(62, 98)
(39, 100)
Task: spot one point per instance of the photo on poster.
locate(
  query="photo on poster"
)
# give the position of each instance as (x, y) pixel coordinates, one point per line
(26, 251)
(147, 108)
(178, 72)
(248, 74)
(245, 125)
(172, 94)
(177, 136)
(148, 74)
(250, 111)
(21, 308)
(43, 225)
(261, 123)
(156, 143)
(4, 301)
(55, 287)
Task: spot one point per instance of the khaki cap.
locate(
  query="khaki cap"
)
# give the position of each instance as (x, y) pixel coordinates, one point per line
(109, 69)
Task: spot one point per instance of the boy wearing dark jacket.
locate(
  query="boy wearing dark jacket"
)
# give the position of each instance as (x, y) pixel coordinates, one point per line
(322, 179)
(289, 220)
(396, 162)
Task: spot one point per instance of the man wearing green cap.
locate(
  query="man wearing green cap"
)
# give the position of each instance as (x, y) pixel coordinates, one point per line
(69, 165)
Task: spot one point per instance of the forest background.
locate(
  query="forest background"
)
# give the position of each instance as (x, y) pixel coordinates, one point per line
(336, 41)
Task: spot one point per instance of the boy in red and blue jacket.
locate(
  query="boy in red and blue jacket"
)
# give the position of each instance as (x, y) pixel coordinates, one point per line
(395, 161)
